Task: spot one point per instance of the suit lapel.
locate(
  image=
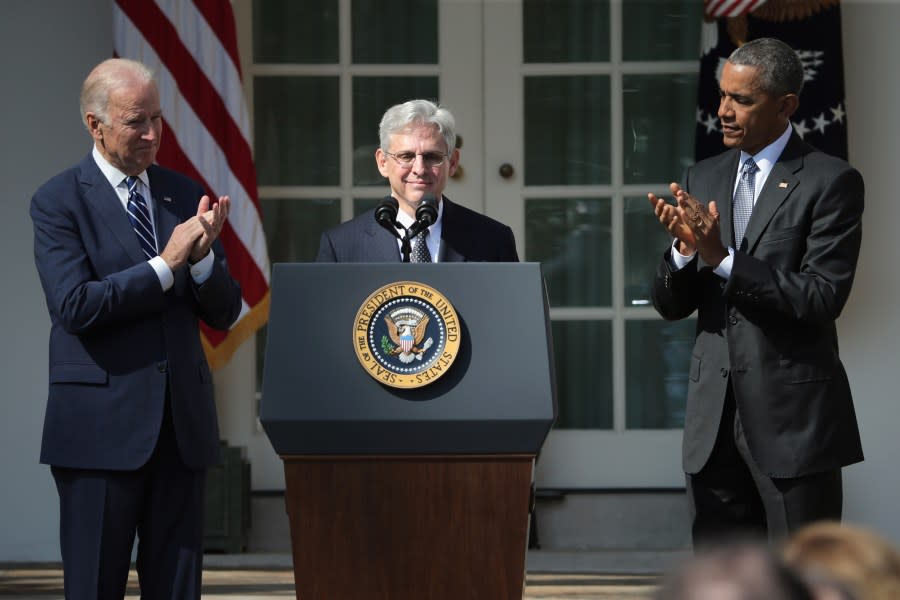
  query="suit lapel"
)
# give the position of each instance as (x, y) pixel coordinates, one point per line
(381, 246)
(723, 189)
(779, 185)
(449, 226)
(105, 202)
(164, 208)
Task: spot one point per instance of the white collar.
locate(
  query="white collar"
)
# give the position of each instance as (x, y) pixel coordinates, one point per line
(113, 174)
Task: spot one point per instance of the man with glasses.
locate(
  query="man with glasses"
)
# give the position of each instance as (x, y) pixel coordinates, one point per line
(417, 155)
(767, 265)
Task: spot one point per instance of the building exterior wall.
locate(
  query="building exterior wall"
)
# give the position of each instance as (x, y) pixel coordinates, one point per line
(46, 49)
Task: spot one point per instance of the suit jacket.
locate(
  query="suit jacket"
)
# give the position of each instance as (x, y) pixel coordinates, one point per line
(117, 341)
(465, 236)
(770, 328)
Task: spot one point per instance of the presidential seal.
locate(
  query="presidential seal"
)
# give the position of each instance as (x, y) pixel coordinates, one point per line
(406, 334)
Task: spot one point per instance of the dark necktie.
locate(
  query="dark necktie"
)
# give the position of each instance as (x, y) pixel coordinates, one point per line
(420, 252)
(743, 200)
(139, 215)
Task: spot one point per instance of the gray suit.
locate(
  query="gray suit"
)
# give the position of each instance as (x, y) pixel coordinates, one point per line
(769, 330)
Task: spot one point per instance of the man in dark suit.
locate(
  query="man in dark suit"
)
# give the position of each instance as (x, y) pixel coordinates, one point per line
(769, 420)
(417, 154)
(128, 257)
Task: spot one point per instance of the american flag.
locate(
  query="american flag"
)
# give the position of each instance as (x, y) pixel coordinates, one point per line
(191, 46)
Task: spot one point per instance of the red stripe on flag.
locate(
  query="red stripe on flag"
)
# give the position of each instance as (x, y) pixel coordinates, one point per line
(195, 87)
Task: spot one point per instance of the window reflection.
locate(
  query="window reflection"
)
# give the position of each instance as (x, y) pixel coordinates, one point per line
(567, 136)
(572, 238)
(658, 126)
(565, 31)
(583, 355)
(658, 355)
(297, 130)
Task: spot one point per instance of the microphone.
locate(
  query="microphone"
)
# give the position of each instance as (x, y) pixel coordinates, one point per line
(426, 215)
(386, 214)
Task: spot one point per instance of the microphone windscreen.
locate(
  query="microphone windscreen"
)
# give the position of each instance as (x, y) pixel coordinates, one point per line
(386, 211)
(427, 211)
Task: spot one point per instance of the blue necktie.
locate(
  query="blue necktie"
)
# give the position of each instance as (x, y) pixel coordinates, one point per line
(742, 207)
(139, 215)
(420, 251)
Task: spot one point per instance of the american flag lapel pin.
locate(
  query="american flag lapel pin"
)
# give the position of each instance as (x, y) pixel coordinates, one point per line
(783, 184)
(166, 199)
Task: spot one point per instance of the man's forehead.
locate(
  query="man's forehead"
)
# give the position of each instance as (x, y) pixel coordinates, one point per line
(418, 133)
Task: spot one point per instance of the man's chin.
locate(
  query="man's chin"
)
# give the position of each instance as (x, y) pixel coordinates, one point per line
(732, 141)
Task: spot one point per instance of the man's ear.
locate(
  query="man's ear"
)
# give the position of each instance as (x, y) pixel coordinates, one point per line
(93, 126)
(454, 162)
(788, 105)
(380, 159)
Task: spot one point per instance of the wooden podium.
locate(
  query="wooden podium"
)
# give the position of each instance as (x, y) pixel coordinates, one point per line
(417, 493)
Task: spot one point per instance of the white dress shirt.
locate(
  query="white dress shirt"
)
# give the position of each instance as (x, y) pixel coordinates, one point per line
(434, 232)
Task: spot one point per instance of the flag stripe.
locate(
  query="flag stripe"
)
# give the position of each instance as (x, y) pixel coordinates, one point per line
(191, 45)
(731, 8)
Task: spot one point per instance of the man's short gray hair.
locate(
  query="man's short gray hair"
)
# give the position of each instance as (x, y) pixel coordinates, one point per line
(401, 117)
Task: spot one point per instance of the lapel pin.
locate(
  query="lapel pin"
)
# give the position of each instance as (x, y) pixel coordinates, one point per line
(783, 184)
(167, 199)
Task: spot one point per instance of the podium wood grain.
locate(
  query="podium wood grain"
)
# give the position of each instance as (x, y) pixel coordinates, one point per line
(397, 527)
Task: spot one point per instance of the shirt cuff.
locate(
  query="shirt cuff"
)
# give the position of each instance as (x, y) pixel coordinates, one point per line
(202, 269)
(724, 268)
(679, 260)
(163, 272)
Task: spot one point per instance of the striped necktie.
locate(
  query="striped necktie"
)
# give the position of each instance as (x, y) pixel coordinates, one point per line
(139, 215)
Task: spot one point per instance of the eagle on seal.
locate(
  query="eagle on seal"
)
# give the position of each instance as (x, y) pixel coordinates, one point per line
(408, 338)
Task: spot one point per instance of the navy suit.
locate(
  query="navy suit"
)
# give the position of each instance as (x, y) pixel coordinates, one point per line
(128, 377)
(465, 236)
(766, 346)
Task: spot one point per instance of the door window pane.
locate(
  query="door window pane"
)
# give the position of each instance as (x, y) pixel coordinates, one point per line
(395, 31)
(645, 242)
(571, 238)
(567, 127)
(565, 31)
(287, 31)
(658, 356)
(371, 97)
(583, 358)
(297, 130)
(661, 29)
(659, 115)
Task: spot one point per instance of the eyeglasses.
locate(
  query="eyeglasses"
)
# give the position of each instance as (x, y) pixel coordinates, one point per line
(429, 159)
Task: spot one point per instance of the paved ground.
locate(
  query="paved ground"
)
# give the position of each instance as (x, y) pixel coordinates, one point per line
(40, 582)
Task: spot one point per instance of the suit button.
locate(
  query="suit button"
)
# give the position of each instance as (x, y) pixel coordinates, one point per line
(161, 366)
(732, 320)
(724, 372)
